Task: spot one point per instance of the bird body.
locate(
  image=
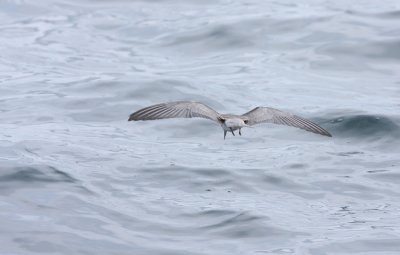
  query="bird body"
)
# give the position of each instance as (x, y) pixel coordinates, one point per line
(228, 122)
(234, 123)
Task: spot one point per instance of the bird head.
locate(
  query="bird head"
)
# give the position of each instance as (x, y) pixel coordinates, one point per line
(246, 123)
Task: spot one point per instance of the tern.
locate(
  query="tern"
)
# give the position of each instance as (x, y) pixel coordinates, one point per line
(228, 122)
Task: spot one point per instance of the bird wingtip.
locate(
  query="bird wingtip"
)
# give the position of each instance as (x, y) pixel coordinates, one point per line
(326, 133)
(131, 117)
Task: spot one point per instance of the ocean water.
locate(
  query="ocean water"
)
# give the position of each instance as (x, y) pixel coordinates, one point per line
(78, 178)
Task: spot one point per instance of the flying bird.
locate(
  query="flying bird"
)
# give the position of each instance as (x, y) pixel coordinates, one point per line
(228, 122)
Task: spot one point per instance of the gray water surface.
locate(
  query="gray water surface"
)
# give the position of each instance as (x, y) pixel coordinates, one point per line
(77, 178)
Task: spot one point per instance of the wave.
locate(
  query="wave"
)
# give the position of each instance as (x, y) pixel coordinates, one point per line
(363, 126)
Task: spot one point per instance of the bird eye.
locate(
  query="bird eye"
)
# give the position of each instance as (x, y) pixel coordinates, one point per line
(245, 121)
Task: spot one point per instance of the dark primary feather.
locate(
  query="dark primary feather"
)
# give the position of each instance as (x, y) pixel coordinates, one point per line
(271, 115)
(180, 109)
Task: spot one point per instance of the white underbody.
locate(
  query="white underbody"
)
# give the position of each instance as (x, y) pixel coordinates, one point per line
(232, 124)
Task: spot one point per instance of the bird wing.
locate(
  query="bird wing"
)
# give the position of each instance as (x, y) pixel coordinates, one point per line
(271, 115)
(180, 109)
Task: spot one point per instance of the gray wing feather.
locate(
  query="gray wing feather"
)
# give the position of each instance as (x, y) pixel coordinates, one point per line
(271, 115)
(180, 109)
